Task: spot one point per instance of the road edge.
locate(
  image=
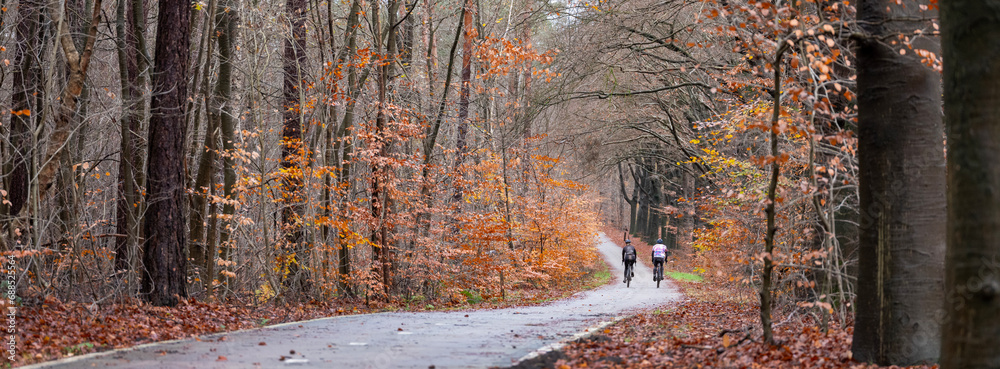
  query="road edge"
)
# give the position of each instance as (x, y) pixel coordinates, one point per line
(556, 346)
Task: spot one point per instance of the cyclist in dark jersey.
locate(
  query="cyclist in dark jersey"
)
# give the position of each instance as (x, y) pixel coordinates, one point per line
(628, 258)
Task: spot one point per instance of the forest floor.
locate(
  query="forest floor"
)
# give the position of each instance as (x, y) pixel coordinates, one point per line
(51, 329)
(717, 325)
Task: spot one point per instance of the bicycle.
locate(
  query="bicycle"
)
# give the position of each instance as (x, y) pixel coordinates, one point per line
(658, 273)
(628, 274)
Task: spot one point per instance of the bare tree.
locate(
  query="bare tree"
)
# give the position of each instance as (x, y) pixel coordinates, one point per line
(291, 150)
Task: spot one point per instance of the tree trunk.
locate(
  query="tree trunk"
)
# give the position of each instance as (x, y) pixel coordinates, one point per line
(380, 199)
(631, 201)
(130, 203)
(431, 138)
(431, 60)
(772, 192)
(461, 141)
(164, 281)
(128, 197)
(291, 149)
(972, 111)
(686, 232)
(197, 248)
(77, 62)
(344, 146)
(902, 187)
(224, 108)
(27, 79)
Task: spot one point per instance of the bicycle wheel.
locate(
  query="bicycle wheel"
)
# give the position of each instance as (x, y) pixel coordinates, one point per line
(628, 276)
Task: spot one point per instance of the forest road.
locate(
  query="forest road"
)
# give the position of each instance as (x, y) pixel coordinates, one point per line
(452, 339)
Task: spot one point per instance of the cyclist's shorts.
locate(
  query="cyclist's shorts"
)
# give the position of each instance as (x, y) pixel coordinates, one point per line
(658, 260)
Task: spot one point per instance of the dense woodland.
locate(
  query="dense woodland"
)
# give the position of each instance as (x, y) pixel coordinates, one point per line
(285, 151)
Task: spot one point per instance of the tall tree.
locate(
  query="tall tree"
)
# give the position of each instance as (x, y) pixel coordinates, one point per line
(164, 281)
(381, 202)
(291, 147)
(461, 140)
(343, 148)
(133, 65)
(902, 186)
(222, 108)
(969, 31)
(77, 63)
(198, 247)
(24, 102)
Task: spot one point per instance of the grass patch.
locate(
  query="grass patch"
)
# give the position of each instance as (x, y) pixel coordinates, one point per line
(472, 296)
(599, 277)
(684, 277)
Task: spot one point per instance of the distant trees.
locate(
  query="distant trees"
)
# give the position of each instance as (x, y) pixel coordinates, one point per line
(252, 156)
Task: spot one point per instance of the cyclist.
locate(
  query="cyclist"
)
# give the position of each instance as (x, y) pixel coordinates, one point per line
(659, 257)
(628, 258)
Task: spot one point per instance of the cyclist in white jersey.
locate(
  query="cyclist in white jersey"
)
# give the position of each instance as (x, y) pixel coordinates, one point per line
(659, 257)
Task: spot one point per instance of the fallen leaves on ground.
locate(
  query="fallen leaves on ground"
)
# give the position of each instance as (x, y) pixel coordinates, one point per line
(55, 329)
(716, 326)
(52, 329)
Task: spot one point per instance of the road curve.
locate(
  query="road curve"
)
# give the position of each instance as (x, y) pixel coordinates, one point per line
(453, 339)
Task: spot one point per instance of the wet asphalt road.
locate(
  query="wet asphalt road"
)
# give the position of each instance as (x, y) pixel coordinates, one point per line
(454, 339)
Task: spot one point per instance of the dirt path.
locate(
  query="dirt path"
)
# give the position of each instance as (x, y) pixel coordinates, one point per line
(456, 339)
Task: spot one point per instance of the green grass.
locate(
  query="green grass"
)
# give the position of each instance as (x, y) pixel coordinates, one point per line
(684, 277)
(599, 278)
(79, 349)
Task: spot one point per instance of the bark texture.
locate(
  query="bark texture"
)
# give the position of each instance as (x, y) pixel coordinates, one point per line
(164, 281)
(291, 148)
(970, 30)
(127, 212)
(27, 93)
(902, 187)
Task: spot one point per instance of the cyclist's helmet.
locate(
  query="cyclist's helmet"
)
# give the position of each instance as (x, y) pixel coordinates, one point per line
(659, 240)
(628, 241)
